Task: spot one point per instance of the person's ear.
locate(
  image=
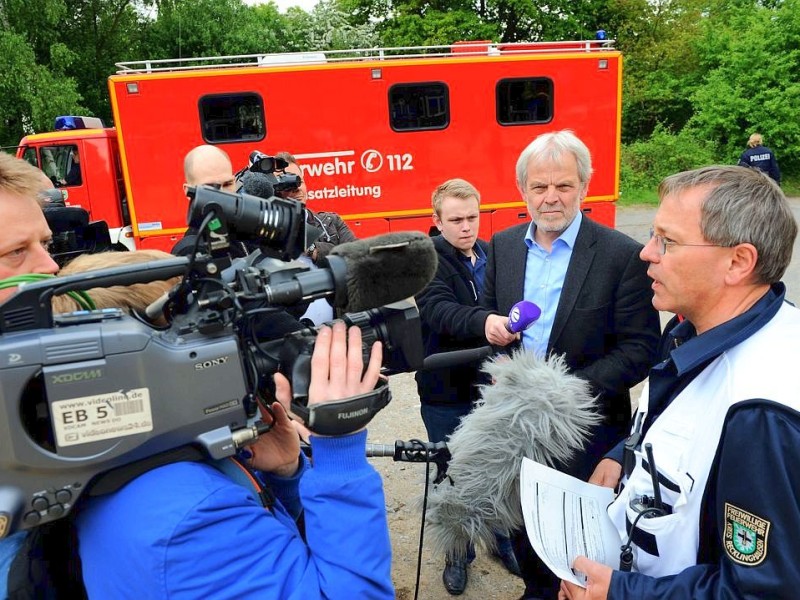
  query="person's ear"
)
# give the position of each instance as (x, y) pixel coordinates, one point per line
(742, 265)
(437, 221)
(584, 190)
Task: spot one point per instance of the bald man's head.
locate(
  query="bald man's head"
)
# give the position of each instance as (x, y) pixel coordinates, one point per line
(209, 165)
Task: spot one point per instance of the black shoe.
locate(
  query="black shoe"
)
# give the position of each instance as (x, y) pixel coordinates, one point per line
(506, 556)
(455, 576)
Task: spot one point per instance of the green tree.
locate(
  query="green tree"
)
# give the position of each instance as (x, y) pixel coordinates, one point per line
(436, 28)
(35, 86)
(753, 81)
(196, 28)
(420, 22)
(100, 33)
(646, 162)
(661, 67)
(330, 28)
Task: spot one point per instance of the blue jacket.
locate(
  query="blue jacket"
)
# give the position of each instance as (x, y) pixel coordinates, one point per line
(186, 531)
(763, 159)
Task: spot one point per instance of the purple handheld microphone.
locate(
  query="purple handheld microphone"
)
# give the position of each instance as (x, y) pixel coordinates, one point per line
(522, 315)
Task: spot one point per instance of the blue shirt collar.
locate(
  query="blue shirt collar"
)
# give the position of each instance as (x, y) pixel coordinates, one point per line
(567, 237)
(691, 350)
(480, 255)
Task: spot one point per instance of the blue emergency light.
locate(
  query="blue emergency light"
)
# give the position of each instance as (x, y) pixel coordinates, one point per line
(71, 122)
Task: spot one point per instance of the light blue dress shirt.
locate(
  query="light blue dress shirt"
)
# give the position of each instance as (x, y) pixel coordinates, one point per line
(544, 279)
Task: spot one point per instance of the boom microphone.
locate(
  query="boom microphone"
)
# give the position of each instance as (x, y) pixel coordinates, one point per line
(386, 268)
(257, 184)
(535, 408)
(522, 315)
(454, 358)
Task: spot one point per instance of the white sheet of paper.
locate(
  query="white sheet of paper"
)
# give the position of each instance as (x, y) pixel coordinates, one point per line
(566, 518)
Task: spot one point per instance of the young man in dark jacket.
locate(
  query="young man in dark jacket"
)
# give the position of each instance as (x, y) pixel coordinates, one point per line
(452, 319)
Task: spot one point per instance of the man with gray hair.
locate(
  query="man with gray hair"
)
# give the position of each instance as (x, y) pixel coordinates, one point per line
(594, 295)
(713, 512)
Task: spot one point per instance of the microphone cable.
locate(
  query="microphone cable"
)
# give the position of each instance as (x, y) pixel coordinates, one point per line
(626, 553)
(80, 297)
(422, 446)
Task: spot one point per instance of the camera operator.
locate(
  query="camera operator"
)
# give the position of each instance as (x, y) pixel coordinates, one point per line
(23, 249)
(168, 521)
(188, 531)
(284, 180)
(23, 246)
(334, 230)
(208, 165)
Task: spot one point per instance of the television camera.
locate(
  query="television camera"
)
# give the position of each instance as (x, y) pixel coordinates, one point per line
(73, 233)
(85, 396)
(267, 165)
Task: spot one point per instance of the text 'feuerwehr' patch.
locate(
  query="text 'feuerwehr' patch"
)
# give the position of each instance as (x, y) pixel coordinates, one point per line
(746, 536)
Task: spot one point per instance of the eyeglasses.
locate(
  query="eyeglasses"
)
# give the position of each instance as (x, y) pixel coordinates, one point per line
(663, 243)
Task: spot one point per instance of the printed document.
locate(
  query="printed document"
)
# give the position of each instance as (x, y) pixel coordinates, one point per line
(566, 518)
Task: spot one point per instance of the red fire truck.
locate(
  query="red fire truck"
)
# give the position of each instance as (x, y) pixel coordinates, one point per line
(375, 130)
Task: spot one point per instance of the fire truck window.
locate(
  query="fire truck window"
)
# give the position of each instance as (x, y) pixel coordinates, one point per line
(419, 106)
(232, 118)
(524, 101)
(30, 155)
(62, 164)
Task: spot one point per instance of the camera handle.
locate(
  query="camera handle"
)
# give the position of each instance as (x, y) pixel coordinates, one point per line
(345, 416)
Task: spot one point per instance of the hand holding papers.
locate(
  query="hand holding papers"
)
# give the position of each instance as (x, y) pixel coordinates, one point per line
(566, 518)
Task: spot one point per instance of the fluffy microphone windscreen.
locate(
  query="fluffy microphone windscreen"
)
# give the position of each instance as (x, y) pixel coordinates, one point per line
(535, 408)
(386, 268)
(257, 184)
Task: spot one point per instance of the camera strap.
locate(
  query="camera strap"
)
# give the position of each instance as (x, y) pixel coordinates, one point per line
(345, 416)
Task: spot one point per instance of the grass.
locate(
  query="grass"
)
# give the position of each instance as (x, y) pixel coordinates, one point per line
(791, 186)
(633, 197)
(649, 197)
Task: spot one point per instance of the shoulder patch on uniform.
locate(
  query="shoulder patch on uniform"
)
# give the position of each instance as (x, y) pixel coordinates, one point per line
(746, 536)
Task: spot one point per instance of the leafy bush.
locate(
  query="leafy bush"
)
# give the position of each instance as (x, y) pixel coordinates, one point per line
(645, 163)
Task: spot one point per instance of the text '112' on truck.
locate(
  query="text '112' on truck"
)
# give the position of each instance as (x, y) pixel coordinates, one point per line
(374, 130)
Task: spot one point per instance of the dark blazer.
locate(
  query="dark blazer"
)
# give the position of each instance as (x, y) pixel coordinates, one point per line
(605, 324)
(452, 319)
